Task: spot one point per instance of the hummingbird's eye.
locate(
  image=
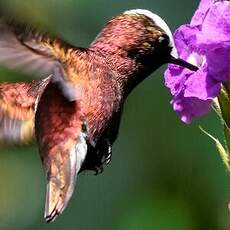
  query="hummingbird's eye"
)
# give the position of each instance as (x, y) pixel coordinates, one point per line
(164, 39)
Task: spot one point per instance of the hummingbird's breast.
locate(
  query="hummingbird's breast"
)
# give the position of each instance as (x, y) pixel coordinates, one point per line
(99, 95)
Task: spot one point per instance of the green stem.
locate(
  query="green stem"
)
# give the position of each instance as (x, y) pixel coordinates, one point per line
(224, 155)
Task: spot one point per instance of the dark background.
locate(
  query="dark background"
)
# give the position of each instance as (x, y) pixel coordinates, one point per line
(163, 175)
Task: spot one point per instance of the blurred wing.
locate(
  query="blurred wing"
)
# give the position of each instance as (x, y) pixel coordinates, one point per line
(62, 145)
(24, 49)
(17, 104)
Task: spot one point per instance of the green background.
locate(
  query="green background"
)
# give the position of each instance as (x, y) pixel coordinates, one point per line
(163, 175)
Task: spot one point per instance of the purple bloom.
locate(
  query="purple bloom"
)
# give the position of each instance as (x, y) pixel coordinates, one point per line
(205, 42)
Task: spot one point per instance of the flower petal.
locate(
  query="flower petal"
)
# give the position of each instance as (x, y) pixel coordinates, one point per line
(201, 12)
(175, 77)
(185, 37)
(216, 25)
(190, 107)
(219, 63)
(205, 43)
(201, 85)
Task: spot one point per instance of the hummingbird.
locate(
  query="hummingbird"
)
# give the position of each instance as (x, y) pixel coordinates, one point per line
(75, 106)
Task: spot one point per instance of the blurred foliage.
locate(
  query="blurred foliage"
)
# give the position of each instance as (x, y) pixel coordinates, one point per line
(163, 175)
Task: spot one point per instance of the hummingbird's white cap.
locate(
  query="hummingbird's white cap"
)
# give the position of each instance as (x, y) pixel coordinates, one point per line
(159, 22)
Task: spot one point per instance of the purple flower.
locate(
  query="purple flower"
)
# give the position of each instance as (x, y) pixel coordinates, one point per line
(205, 42)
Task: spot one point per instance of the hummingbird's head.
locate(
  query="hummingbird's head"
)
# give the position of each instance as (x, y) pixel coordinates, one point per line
(141, 36)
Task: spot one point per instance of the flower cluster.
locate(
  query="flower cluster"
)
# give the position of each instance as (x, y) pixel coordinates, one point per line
(205, 42)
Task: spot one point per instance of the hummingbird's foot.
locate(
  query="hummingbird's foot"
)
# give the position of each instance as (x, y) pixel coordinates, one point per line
(104, 156)
(108, 155)
(98, 170)
(97, 156)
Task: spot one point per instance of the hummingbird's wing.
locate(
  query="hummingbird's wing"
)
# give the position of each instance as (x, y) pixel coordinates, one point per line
(62, 139)
(25, 49)
(17, 104)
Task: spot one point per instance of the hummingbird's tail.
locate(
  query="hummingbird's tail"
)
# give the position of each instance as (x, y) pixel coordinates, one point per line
(62, 142)
(61, 177)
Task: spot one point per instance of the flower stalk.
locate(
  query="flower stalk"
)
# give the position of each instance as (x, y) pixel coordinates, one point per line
(223, 152)
(222, 107)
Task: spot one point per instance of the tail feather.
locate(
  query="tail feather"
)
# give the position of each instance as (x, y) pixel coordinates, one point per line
(62, 142)
(62, 178)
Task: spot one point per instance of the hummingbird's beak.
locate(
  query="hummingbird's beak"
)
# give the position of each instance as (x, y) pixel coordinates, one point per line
(183, 63)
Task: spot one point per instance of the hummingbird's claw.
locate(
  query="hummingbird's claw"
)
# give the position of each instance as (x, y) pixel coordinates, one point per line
(98, 170)
(108, 156)
(98, 156)
(104, 156)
